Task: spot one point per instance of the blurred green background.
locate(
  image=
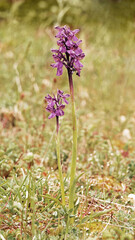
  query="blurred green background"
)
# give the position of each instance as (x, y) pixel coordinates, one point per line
(113, 14)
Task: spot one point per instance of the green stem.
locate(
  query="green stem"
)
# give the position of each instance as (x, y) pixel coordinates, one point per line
(59, 163)
(32, 184)
(74, 147)
(73, 162)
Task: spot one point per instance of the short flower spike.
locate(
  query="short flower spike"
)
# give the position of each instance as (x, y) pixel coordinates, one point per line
(55, 106)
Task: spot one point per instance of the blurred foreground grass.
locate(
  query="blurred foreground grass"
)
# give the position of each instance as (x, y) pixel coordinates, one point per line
(106, 133)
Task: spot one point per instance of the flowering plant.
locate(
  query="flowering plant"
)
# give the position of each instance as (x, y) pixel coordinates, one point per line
(69, 55)
(55, 107)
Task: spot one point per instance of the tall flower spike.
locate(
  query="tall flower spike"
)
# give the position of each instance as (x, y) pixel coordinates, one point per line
(69, 54)
(55, 106)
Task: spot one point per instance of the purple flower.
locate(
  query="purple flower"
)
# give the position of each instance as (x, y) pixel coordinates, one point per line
(69, 54)
(55, 106)
(62, 96)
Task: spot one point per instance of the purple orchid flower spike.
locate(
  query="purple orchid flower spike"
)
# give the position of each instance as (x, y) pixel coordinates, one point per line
(69, 54)
(55, 106)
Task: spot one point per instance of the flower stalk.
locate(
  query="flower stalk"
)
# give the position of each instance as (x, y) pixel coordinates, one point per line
(74, 146)
(59, 163)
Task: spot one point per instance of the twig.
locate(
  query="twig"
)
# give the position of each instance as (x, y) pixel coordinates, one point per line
(117, 204)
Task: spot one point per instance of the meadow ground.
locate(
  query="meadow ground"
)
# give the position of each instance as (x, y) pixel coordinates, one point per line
(105, 104)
